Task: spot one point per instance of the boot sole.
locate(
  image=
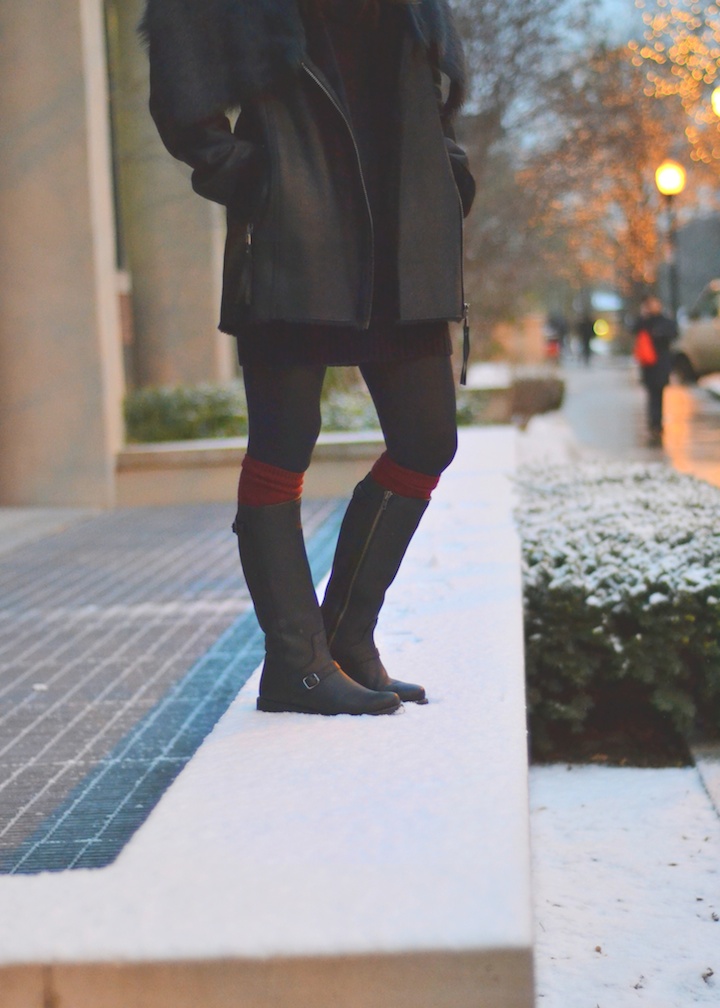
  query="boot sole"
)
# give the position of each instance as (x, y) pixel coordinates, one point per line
(278, 707)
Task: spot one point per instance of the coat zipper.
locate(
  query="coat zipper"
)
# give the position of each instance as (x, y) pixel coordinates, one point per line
(376, 521)
(248, 264)
(465, 304)
(326, 90)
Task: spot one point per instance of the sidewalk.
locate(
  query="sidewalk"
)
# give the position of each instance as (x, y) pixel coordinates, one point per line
(296, 861)
(625, 860)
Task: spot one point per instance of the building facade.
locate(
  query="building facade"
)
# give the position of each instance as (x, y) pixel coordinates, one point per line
(109, 264)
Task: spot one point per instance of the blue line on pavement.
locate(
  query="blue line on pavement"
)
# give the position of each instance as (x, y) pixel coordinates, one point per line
(96, 820)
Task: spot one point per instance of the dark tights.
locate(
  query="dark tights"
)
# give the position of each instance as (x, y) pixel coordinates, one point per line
(415, 403)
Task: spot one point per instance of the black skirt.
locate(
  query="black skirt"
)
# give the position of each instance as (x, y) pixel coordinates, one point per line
(285, 343)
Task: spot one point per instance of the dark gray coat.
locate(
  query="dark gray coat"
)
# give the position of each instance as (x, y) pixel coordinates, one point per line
(300, 230)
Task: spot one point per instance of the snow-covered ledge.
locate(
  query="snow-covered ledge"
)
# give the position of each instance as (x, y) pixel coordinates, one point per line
(307, 861)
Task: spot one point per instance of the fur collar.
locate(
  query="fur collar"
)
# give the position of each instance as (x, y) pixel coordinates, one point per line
(208, 56)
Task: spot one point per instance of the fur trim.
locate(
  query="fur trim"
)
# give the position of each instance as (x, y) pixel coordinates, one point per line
(208, 56)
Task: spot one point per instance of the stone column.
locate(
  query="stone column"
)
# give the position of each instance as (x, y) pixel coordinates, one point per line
(60, 374)
(171, 237)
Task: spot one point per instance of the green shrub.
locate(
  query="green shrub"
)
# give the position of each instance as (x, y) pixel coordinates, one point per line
(482, 406)
(621, 573)
(348, 410)
(184, 413)
(208, 411)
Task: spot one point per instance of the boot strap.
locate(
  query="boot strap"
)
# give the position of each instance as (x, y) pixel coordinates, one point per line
(314, 679)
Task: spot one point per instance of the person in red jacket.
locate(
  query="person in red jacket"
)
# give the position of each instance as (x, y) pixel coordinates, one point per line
(662, 331)
(345, 193)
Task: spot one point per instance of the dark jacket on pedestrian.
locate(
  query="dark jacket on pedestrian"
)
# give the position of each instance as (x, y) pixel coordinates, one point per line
(300, 225)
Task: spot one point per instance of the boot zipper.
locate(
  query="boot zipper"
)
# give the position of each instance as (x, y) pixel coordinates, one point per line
(326, 90)
(376, 521)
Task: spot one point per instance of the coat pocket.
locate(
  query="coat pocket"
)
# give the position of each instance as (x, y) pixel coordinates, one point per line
(238, 262)
(245, 284)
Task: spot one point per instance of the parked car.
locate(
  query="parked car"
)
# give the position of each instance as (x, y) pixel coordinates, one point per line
(697, 350)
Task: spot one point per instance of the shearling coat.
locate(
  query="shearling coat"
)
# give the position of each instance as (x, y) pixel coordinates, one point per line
(300, 229)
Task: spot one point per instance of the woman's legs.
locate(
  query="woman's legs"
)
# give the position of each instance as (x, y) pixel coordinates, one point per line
(299, 673)
(415, 401)
(283, 413)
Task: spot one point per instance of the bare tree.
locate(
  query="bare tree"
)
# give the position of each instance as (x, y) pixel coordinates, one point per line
(597, 164)
(513, 51)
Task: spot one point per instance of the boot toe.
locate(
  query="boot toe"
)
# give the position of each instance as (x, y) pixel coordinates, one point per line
(408, 692)
(368, 670)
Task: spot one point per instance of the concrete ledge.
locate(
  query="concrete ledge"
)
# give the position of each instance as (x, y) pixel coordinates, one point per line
(357, 862)
(411, 981)
(200, 472)
(707, 760)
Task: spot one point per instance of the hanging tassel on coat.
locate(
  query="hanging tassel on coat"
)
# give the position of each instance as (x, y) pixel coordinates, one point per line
(466, 344)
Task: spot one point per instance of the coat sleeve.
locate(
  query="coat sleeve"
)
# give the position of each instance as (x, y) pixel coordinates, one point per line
(460, 165)
(459, 161)
(226, 168)
(188, 103)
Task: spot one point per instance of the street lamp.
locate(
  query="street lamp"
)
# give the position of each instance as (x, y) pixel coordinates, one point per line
(715, 101)
(670, 180)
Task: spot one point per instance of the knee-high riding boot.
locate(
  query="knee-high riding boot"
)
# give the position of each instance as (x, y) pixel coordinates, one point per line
(374, 537)
(299, 673)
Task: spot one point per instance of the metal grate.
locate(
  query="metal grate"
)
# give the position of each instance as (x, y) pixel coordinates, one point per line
(122, 641)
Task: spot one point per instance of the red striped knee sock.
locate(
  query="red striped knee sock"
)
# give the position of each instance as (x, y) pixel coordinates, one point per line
(406, 482)
(261, 484)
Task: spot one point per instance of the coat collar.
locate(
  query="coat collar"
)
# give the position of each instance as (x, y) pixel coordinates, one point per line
(208, 56)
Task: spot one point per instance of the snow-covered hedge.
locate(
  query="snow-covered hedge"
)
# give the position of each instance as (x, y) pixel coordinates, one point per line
(622, 594)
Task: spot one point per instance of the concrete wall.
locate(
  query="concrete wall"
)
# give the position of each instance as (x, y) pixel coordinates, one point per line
(60, 373)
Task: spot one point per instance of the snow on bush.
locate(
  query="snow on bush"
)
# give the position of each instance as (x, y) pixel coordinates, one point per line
(622, 594)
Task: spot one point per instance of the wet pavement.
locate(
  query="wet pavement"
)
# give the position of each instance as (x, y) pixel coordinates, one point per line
(605, 408)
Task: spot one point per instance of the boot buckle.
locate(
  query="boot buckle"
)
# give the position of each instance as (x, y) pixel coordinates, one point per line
(311, 681)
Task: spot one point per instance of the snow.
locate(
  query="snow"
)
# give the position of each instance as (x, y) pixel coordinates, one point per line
(293, 836)
(627, 530)
(489, 375)
(626, 888)
(626, 861)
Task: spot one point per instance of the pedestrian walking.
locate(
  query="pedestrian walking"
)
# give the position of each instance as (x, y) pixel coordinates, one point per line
(345, 192)
(586, 334)
(557, 330)
(654, 334)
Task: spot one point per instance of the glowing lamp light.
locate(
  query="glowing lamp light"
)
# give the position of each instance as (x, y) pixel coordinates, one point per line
(670, 178)
(715, 101)
(601, 329)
